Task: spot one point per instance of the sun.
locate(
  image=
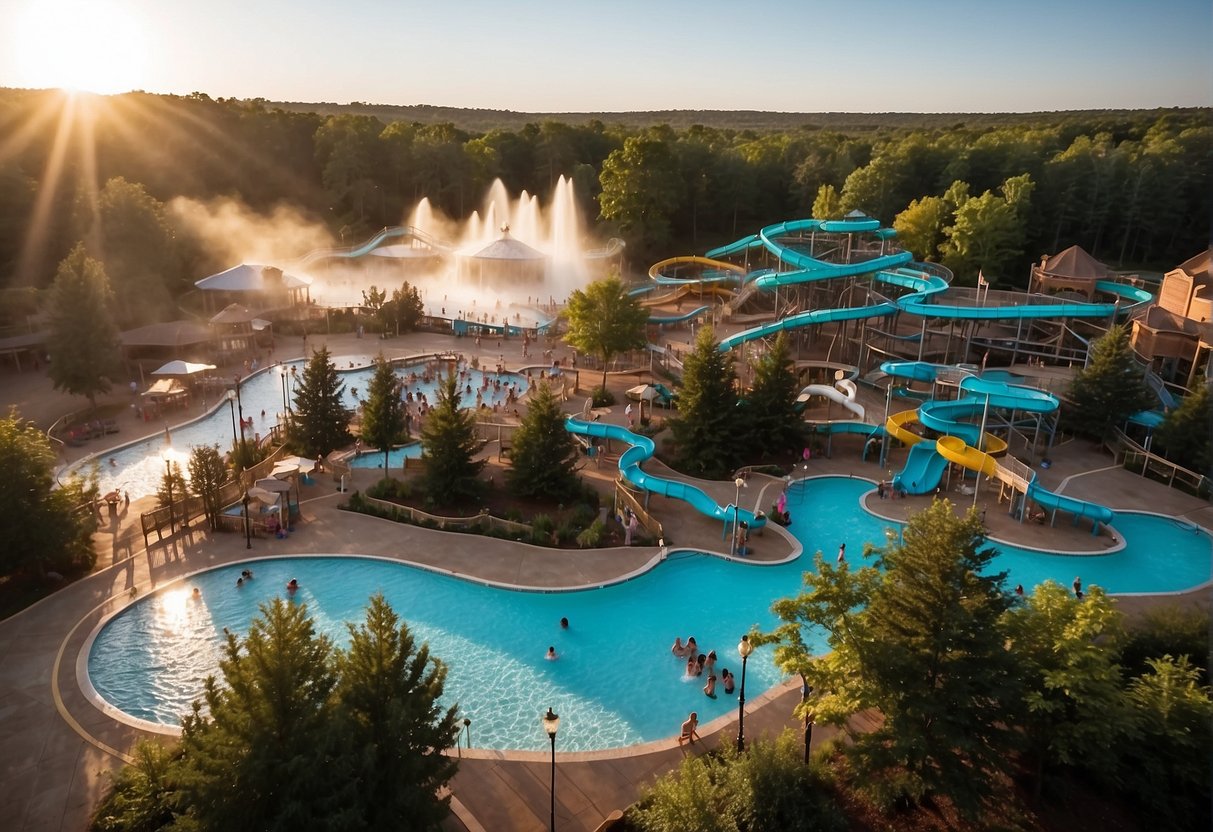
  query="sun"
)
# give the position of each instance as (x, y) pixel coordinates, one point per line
(95, 46)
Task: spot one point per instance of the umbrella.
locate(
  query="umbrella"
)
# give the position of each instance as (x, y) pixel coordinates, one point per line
(273, 485)
(261, 494)
(305, 465)
(643, 393)
(182, 368)
(284, 469)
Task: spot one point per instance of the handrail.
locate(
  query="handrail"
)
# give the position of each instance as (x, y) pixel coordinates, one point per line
(1130, 453)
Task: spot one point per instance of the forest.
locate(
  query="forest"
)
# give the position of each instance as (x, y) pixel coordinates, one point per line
(990, 193)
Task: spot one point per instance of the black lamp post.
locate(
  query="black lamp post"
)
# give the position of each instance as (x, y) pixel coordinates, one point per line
(231, 405)
(467, 730)
(806, 690)
(248, 528)
(739, 483)
(168, 481)
(744, 649)
(282, 380)
(550, 723)
(240, 407)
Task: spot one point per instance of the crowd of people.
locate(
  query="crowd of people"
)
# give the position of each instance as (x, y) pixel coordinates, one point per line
(702, 665)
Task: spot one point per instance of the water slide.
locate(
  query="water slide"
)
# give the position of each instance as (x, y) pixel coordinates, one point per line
(677, 319)
(1052, 501)
(717, 271)
(389, 233)
(641, 449)
(924, 469)
(834, 395)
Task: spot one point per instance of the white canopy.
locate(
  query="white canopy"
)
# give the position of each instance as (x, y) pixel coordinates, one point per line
(182, 368)
(300, 463)
(261, 494)
(273, 485)
(251, 277)
(643, 392)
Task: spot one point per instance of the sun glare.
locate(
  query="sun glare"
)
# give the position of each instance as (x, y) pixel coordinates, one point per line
(93, 46)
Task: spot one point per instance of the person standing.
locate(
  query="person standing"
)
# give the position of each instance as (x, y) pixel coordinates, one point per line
(842, 553)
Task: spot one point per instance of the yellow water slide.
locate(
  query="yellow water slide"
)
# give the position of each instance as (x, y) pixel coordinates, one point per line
(954, 449)
(896, 427)
(655, 271)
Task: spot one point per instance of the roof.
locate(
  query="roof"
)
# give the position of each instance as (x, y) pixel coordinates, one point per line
(251, 277)
(507, 248)
(1200, 267)
(23, 342)
(233, 313)
(168, 334)
(1074, 264)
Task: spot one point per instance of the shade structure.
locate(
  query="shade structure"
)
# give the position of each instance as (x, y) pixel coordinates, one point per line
(273, 485)
(284, 470)
(301, 463)
(261, 495)
(233, 313)
(643, 393)
(182, 368)
(252, 277)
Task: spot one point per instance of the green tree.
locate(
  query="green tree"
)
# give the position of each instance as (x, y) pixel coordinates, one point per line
(916, 638)
(406, 308)
(260, 756)
(173, 487)
(384, 421)
(920, 226)
(1067, 651)
(828, 204)
(373, 300)
(83, 340)
(604, 320)
(144, 795)
(392, 726)
(132, 238)
(1172, 629)
(207, 476)
(320, 421)
(1186, 435)
(543, 456)
(449, 444)
(42, 526)
(707, 427)
(1166, 766)
(770, 407)
(641, 190)
(988, 232)
(1111, 388)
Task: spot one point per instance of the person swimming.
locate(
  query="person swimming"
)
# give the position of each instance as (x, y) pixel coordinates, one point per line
(709, 690)
(551, 654)
(197, 593)
(677, 649)
(292, 585)
(564, 623)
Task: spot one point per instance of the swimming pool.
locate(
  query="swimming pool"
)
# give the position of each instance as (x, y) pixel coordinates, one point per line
(139, 467)
(395, 457)
(615, 683)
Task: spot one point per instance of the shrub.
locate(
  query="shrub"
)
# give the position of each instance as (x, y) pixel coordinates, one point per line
(566, 533)
(591, 538)
(582, 516)
(1172, 630)
(602, 397)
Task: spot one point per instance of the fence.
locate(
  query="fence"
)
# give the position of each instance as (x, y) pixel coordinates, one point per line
(1133, 457)
(483, 521)
(625, 497)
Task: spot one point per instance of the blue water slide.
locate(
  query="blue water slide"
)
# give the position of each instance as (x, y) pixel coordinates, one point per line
(816, 316)
(642, 449)
(1079, 508)
(946, 416)
(924, 469)
(842, 426)
(675, 319)
(744, 244)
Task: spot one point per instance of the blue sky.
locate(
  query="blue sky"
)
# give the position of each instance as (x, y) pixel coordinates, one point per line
(550, 56)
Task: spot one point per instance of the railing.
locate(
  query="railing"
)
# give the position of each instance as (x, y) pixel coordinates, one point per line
(483, 521)
(1133, 457)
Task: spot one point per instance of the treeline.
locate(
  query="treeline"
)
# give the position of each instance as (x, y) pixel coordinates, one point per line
(1133, 188)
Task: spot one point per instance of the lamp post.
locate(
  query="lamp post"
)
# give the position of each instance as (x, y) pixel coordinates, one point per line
(739, 483)
(240, 408)
(744, 649)
(981, 446)
(248, 529)
(168, 481)
(467, 730)
(550, 723)
(806, 690)
(231, 405)
(282, 382)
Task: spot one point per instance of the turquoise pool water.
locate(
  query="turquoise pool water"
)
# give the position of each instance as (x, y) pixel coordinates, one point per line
(138, 467)
(395, 457)
(615, 682)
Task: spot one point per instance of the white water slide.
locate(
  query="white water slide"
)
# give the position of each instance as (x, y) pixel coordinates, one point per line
(843, 393)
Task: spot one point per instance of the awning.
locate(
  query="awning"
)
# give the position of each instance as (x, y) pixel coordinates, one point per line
(182, 368)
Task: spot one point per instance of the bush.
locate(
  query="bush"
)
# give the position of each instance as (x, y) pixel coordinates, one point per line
(582, 516)
(391, 489)
(767, 787)
(602, 397)
(1171, 630)
(591, 538)
(566, 532)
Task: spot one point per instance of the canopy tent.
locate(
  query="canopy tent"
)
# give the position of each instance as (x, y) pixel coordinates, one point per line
(261, 495)
(182, 368)
(1072, 269)
(272, 484)
(234, 313)
(165, 389)
(643, 392)
(252, 277)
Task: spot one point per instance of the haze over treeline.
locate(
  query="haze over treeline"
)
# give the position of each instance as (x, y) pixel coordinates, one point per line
(164, 190)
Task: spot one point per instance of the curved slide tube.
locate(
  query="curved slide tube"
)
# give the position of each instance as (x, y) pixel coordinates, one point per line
(641, 450)
(730, 271)
(1052, 501)
(677, 319)
(833, 395)
(924, 470)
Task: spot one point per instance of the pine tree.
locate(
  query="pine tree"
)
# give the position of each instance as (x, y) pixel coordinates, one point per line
(391, 724)
(407, 308)
(707, 426)
(770, 408)
(449, 444)
(261, 756)
(1187, 433)
(83, 341)
(320, 422)
(384, 421)
(543, 456)
(1111, 388)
